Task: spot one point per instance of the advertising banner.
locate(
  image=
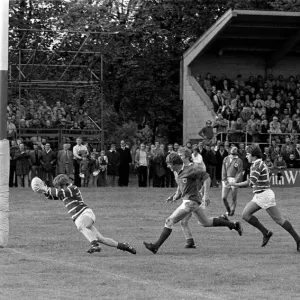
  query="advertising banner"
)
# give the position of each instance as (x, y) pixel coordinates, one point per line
(287, 178)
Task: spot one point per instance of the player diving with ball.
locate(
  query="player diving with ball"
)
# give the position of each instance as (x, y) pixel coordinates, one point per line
(188, 190)
(79, 212)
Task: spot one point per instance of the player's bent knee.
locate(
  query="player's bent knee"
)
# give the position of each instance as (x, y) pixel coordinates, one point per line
(169, 223)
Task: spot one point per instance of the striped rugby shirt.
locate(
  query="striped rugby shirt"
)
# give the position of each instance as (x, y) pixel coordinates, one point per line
(259, 176)
(71, 197)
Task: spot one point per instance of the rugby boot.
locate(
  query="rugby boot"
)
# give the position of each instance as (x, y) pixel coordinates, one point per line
(151, 247)
(126, 247)
(238, 227)
(266, 238)
(231, 213)
(190, 244)
(94, 248)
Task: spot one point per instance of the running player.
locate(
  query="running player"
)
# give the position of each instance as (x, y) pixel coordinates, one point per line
(232, 171)
(264, 197)
(81, 214)
(187, 179)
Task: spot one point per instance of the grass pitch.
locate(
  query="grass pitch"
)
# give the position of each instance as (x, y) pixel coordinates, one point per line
(47, 259)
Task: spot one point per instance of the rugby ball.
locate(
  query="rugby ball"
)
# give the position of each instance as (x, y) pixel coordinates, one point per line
(38, 185)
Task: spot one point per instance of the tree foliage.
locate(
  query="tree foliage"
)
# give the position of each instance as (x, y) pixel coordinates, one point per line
(142, 45)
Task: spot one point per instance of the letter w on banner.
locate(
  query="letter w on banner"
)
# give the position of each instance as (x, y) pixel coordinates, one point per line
(289, 178)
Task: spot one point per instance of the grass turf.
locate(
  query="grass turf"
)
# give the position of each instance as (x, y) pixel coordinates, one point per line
(47, 259)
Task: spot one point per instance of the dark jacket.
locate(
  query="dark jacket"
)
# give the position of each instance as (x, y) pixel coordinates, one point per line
(125, 156)
(113, 162)
(22, 163)
(48, 161)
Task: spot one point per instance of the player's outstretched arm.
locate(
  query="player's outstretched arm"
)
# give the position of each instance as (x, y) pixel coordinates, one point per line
(240, 184)
(206, 189)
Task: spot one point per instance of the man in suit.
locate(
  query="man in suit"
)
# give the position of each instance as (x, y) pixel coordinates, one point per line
(35, 156)
(48, 161)
(125, 161)
(220, 154)
(65, 161)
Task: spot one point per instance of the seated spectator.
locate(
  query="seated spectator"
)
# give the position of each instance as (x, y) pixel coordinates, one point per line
(266, 153)
(275, 126)
(75, 129)
(222, 125)
(286, 151)
(269, 164)
(238, 130)
(206, 133)
(292, 162)
(58, 107)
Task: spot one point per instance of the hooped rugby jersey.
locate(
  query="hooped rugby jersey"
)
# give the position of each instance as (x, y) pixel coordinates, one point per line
(259, 176)
(71, 197)
(188, 180)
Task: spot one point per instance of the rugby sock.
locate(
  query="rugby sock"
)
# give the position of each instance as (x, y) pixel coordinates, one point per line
(223, 223)
(164, 235)
(254, 222)
(290, 229)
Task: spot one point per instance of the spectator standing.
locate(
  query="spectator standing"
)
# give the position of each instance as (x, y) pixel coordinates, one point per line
(220, 155)
(170, 178)
(78, 151)
(14, 149)
(94, 170)
(84, 169)
(35, 158)
(103, 161)
(65, 161)
(48, 162)
(113, 165)
(124, 166)
(142, 164)
(292, 163)
(22, 166)
(211, 165)
(238, 130)
(197, 158)
(157, 165)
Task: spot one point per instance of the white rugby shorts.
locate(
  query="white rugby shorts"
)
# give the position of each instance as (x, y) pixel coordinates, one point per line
(229, 180)
(79, 222)
(265, 200)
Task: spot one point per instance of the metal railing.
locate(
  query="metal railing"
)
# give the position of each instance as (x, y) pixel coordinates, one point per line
(260, 138)
(57, 136)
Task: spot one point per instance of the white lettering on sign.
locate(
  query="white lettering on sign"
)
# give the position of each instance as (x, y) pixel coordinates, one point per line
(290, 177)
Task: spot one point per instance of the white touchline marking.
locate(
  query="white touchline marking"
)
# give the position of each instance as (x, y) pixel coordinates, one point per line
(111, 274)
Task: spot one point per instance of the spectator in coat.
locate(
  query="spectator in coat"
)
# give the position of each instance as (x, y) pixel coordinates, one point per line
(12, 168)
(78, 150)
(220, 155)
(124, 166)
(65, 161)
(113, 165)
(170, 178)
(291, 162)
(22, 166)
(48, 162)
(102, 161)
(94, 170)
(84, 169)
(35, 159)
(211, 164)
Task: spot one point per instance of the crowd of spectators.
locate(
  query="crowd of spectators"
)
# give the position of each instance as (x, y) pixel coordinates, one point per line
(258, 106)
(90, 167)
(29, 114)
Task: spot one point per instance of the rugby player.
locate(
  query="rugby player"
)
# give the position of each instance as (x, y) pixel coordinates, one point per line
(188, 190)
(264, 197)
(81, 214)
(232, 171)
